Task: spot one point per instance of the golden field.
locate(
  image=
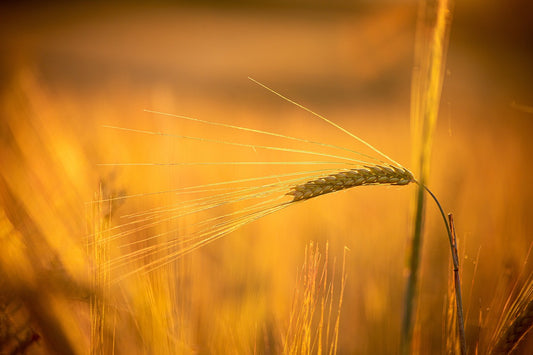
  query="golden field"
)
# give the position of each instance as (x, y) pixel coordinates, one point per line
(72, 280)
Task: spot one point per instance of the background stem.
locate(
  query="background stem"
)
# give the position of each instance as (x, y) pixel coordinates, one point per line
(412, 281)
(427, 79)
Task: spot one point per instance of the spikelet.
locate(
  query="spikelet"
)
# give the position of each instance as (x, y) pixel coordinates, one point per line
(369, 175)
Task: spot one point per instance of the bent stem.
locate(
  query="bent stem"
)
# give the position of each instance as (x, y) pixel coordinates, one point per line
(450, 229)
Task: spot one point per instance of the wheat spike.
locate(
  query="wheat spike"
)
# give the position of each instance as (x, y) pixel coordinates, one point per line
(519, 321)
(369, 175)
(515, 332)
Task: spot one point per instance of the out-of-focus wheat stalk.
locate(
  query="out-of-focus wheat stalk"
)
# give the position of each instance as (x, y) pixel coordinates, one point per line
(99, 274)
(427, 79)
(315, 314)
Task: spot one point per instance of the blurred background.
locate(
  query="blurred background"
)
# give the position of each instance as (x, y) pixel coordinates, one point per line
(66, 70)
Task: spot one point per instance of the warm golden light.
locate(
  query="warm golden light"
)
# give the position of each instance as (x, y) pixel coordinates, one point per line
(118, 234)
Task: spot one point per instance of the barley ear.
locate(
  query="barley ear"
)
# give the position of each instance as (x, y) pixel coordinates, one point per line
(345, 179)
(517, 328)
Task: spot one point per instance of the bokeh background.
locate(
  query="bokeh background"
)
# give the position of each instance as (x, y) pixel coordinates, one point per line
(66, 70)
